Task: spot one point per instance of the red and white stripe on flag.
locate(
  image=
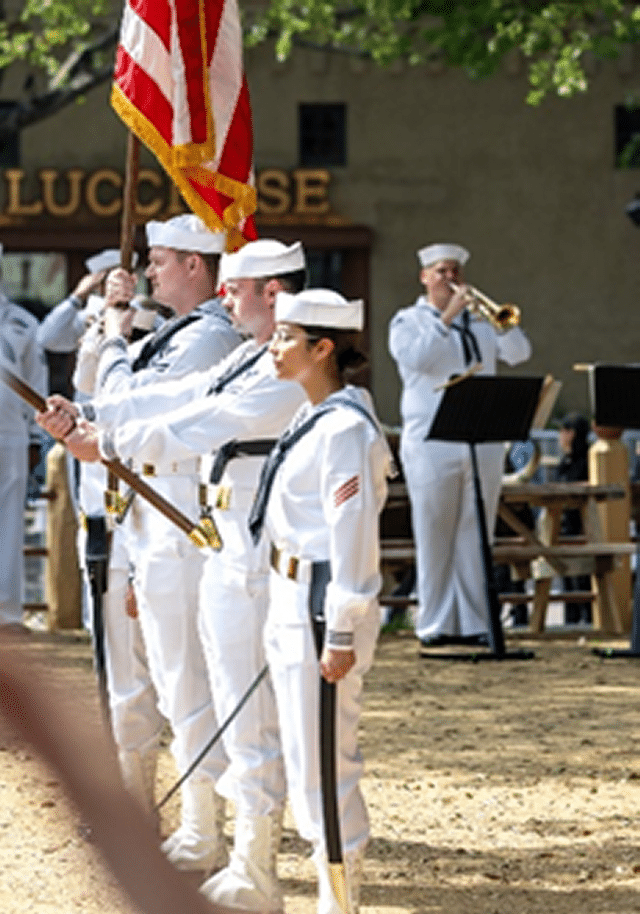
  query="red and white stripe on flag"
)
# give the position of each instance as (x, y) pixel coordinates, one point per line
(179, 86)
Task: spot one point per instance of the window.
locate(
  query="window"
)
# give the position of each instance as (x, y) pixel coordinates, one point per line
(322, 135)
(37, 280)
(324, 268)
(627, 136)
(9, 145)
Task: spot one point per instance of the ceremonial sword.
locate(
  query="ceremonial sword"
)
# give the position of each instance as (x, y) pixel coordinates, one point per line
(199, 534)
(320, 576)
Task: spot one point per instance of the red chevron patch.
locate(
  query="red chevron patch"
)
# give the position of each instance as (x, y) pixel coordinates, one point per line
(346, 491)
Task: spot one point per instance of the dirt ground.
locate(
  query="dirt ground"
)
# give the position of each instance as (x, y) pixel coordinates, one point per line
(498, 787)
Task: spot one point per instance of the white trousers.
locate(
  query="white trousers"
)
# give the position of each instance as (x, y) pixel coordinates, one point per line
(450, 580)
(13, 491)
(233, 609)
(167, 575)
(136, 722)
(296, 677)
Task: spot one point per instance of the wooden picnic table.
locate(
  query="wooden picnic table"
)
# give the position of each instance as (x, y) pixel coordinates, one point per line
(540, 554)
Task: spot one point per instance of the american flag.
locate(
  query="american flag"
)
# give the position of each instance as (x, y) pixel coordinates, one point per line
(179, 86)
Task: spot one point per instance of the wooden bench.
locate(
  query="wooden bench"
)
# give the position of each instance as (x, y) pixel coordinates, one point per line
(595, 559)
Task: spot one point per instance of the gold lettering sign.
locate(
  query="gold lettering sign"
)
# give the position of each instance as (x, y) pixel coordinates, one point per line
(15, 206)
(175, 202)
(304, 192)
(103, 177)
(274, 197)
(49, 178)
(148, 210)
(311, 191)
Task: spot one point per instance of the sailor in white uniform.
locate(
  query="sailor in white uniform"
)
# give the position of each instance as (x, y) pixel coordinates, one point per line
(240, 403)
(320, 504)
(77, 318)
(21, 354)
(136, 722)
(432, 340)
(183, 258)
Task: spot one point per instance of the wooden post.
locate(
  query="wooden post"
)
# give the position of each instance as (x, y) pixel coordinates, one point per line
(63, 582)
(609, 463)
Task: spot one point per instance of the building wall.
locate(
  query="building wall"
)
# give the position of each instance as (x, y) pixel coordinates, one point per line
(532, 192)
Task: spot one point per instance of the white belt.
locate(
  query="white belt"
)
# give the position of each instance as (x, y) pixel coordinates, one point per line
(290, 566)
(171, 468)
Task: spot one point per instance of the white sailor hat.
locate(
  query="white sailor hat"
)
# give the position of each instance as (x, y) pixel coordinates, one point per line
(224, 266)
(435, 252)
(320, 308)
(262, 258)
(185, 232)
(106, 260)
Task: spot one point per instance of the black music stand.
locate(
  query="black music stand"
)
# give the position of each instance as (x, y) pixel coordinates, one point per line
(479, 410)
(614, 391)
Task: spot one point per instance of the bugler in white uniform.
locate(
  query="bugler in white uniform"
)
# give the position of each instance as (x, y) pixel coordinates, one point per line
(450, 576)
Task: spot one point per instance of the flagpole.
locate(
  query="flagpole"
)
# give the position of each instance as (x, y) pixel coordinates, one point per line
(129, 200)
(113, 500)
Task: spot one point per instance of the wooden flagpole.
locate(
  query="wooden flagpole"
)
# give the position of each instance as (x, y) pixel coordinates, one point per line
(129, 200)
(114, 502)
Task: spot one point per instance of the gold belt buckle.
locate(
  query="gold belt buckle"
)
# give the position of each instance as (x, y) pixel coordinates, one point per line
(223, 498)
(111, 501)
(288, 569)
(292, 568)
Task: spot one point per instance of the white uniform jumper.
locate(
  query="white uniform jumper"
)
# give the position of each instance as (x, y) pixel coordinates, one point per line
(324, 505)
(450, 576)
(166, 565)
(174, 422)
(22, 355)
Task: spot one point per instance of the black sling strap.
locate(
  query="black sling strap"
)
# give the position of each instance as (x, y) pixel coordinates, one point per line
(161, 337)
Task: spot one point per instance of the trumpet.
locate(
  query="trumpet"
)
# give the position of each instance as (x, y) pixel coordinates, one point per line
(502, 317)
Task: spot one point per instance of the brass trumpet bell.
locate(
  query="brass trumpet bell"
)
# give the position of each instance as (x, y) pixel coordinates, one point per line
(502, 317)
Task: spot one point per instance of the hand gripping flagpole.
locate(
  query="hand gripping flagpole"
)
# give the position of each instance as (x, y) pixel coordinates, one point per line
(198, 535)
